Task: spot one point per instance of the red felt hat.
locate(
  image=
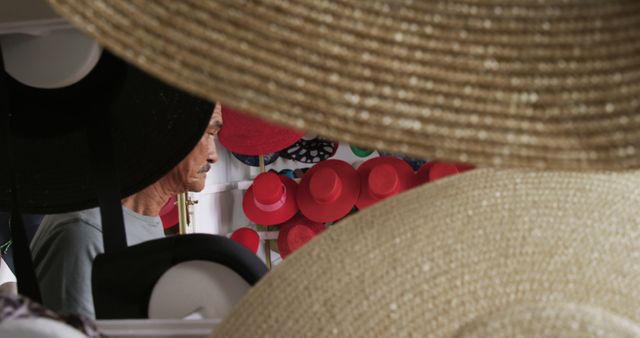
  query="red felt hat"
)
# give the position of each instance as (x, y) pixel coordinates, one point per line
(422, 175)
(328, 191)
(442, 169)
(247, 237)
(270, 200)
(381, 177)
(462, 167)
(435, 170)
(247, 135)
(297, 232)
(169, 213)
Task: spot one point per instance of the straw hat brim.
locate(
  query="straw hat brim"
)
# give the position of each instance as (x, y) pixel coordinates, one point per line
(484, 242)
(553, 86)
(556, 320)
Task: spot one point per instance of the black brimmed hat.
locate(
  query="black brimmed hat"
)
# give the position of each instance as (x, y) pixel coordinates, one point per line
(153, 126)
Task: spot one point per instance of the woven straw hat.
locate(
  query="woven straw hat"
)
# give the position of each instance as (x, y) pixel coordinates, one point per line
(553, 84)
(489, 246)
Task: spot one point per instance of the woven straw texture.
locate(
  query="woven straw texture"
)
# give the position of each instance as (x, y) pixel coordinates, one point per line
(531, 83)
(447, 254)
(562, 320)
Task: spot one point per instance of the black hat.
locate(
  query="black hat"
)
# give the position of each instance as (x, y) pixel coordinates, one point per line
(153, 126)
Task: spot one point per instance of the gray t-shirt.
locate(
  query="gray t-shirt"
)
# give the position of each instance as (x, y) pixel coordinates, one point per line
(63, 250)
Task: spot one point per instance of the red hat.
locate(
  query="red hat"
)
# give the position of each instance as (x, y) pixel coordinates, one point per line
(271, 199)
(169, 213)
(247, 135)
(436, 170)
(247, 237)
(297, 232)
(328, 191)
(462, 167)
(381, 177)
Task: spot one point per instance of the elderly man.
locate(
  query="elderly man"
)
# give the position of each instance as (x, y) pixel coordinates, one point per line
(65, 245)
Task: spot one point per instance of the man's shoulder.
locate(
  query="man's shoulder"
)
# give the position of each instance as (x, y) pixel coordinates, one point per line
(76, 220)
(80, 227)
(77, 231)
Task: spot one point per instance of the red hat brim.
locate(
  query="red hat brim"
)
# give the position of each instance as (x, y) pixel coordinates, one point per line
(247, 135)
(284, 238)
(442, 170)
(406, 176)
(266, 218)
(462, 167)
(169, 213)
(422, 175)
(332, 211)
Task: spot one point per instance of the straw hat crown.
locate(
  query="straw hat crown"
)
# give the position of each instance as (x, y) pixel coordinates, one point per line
(547, 84)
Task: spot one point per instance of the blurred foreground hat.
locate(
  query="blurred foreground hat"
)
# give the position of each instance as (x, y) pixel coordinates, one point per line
(46, 140)
(487, 82)
(492, 254)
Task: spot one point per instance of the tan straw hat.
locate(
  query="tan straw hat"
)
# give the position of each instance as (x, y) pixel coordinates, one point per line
(547, 84)
(491, 251)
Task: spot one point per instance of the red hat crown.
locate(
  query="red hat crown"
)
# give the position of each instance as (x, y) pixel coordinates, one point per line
(325, 185)
(383, 181)
(269, 193)
(298, 236)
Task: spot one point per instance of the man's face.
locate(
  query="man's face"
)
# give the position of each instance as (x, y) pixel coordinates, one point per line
(191, 173)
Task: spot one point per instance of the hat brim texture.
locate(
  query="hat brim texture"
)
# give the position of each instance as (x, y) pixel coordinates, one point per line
(332, 211)
(499, 84)
(556, 320)
(267, 218)
(482, 242)
(153, 127)
(248, 135)
(406, 178)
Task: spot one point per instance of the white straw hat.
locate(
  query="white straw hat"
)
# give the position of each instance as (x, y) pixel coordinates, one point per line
(497, 252)
(546, 84)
